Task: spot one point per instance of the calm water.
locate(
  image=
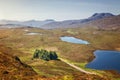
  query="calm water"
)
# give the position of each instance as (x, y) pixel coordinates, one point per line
(33, 33)
(105, 60)
(73, 40)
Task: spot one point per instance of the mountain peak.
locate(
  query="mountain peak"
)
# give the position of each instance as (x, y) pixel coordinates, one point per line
(101, 15)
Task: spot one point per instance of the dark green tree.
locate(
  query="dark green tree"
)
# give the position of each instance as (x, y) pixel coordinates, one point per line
(36, 53)
(45, 55)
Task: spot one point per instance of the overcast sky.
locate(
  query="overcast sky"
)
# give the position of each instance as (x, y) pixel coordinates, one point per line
(55, 9)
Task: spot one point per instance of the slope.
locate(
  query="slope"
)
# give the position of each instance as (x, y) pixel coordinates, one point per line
(11, 68)
(109, 23)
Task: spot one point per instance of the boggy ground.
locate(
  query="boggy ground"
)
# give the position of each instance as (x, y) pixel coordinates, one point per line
(75, 53)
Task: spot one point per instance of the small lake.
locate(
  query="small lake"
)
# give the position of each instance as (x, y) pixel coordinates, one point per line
(73, 40)
(105, 60)
(33, 33)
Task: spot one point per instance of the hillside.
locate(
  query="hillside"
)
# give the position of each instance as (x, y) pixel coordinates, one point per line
(110, 23)
(11, 68)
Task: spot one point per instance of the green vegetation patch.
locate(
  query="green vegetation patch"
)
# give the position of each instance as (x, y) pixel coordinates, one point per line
(45, 55)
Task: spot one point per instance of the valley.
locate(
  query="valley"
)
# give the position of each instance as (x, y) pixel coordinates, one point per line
(59, 39)
(77, 54)
(74, 42)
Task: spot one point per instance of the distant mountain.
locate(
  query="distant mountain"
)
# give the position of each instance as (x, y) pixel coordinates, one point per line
(30, 23)
(51, 24)
(9, 22)
(108, 23)
(100, 15)
(97, 16)
(76, 23)
(35, 23)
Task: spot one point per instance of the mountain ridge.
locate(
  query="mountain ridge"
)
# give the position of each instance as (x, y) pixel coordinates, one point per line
(52, 24)
(77, 23)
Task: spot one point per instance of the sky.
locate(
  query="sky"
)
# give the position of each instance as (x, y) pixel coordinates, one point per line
(55, 9)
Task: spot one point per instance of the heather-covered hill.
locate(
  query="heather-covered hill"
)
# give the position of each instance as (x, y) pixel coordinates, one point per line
(109, 23)
(11, 68)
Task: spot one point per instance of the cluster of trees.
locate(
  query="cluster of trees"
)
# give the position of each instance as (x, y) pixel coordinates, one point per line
(45, 55)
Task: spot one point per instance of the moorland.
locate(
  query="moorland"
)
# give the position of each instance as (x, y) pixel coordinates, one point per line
(17, 48)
